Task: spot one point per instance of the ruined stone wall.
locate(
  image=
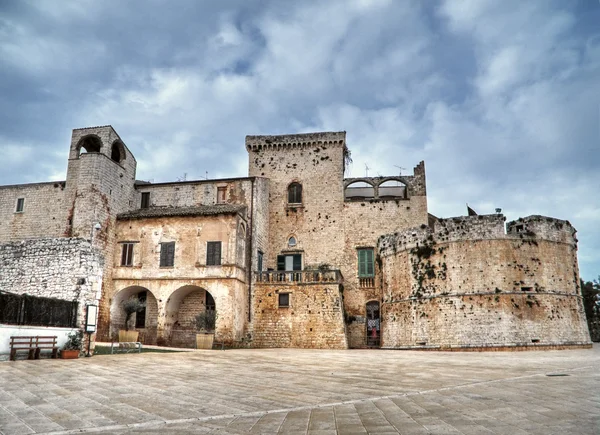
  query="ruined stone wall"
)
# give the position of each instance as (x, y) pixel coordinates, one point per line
(44, 213)
(466, 284)
(61, 268)
(313, 320)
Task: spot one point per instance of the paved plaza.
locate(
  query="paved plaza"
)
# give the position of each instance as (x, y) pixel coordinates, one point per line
(294, 391)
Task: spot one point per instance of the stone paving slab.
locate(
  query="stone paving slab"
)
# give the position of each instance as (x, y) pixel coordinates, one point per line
(291, 391)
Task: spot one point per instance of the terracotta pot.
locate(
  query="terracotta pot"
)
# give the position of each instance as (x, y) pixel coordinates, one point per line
(70, 354)
(204, 340)
(128, 336)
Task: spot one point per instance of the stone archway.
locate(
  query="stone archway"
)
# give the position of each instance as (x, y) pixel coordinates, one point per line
(145, 322)
(181, 309)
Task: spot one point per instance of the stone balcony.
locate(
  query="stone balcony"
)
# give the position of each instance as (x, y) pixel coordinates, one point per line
(332, 276)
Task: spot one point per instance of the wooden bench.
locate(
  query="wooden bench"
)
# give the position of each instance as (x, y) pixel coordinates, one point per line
(126, 347)
(33, 345)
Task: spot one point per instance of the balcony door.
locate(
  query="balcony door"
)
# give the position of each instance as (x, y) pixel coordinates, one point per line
(289, 263)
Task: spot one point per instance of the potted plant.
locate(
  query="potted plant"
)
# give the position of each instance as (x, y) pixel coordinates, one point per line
(130, 306)
(205, 324)
(72, 348)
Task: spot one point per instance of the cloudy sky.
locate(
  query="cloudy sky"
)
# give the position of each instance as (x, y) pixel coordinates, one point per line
(500, 98)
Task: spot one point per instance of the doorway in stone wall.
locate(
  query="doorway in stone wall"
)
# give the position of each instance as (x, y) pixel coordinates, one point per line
(373, 324)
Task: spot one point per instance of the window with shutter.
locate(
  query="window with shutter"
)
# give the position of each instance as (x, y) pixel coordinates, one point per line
(167, 254)
(213, 253)
(295, 193)
(127, 254)
(366, 264)
(289, 262)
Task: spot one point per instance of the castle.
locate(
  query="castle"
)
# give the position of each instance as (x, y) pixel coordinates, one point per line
(293, 255)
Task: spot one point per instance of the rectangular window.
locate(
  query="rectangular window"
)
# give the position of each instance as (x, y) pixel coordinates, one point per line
(289, 262)
(145, 200)
(221, 195)
(366, 263)
(167, 254)
(213, 253)
(260, 261)
(20, 205)
(127, 254)
(284, 300)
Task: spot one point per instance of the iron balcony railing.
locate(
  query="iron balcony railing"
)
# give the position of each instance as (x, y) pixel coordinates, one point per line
(332, 276)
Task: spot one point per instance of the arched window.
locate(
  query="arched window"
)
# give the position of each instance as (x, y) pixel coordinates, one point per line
(392, 189)
(89, 144)
(117, 153)
(295, 193)
(359, 190)
(292, 242)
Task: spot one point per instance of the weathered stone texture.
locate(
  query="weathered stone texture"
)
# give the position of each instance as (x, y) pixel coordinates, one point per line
(62, 268)
(469, 284)
(44, 213)
(314, 318)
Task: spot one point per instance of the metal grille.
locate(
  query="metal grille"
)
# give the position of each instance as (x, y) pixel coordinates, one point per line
(36, 311)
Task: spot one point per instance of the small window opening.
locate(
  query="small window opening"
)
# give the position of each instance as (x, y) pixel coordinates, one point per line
(20, 205)
(127, 254)
(284, 300)
(167, 254)
(260, 261)
(145, 200)
(221, 195)
(213, 253)
(519, 228)
(295, 193)
(209, 301)
(526, 289)
(117, 153)
(89, 144)
(292, 242)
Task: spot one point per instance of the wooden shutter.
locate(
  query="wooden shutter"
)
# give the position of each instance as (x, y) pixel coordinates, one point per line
(297, 262)
(281, 262)
(167, 254)
(366, 266)
(213, 253)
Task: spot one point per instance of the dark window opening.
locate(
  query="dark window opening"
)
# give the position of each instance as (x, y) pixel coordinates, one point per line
(366, 263)
(209, 302)
(20, 205)
(260, 261)
(295, 193)
(145, 200)
(519, 228)
(140, 316)
(213, 253)
(526, 289)
(91, 144)
(117, 153)
(167, 254)
(127, 254)
(284, 300)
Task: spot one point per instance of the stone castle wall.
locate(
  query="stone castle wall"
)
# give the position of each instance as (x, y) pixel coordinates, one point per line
(44, 213)
(314, 318)
(62, 268)
(466, 283)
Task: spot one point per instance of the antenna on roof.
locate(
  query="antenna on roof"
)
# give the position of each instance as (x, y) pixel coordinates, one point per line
(400, 169)
(366, 170)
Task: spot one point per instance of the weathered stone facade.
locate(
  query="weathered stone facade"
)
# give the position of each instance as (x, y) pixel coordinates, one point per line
(465, 283)
(292, 255)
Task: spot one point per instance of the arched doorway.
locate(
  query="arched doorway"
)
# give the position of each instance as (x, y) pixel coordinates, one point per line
(373, 324)
(144, 321)
(181, 310)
